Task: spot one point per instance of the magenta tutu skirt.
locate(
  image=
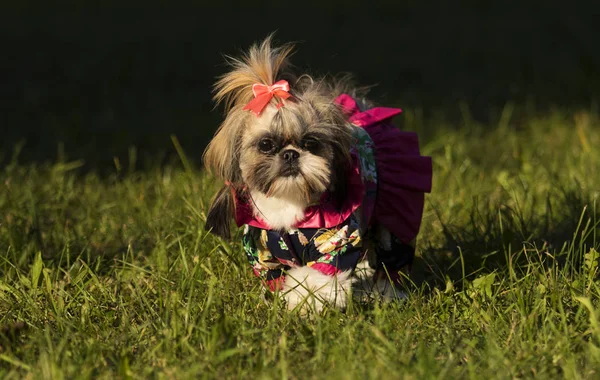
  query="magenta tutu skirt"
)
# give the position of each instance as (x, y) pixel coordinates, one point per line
(403, 175)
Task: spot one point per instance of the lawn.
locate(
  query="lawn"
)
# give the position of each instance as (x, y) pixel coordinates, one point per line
(113, 275)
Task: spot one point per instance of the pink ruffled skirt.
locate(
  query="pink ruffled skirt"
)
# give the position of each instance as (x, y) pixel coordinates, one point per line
(403, 175)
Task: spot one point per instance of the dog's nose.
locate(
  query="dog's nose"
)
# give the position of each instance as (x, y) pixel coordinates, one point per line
(290, 155)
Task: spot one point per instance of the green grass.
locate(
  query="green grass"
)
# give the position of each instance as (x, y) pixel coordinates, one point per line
(115, 276)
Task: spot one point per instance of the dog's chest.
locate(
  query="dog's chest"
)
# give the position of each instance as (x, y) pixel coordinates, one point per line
(279, 214)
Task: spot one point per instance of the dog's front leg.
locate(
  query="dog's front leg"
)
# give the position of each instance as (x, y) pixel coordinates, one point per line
(310, 289)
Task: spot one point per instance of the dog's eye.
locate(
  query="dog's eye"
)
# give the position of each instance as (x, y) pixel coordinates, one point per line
(266, 145)
(310, 144)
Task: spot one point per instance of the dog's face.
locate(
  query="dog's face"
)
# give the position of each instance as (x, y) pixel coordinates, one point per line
(289, 153)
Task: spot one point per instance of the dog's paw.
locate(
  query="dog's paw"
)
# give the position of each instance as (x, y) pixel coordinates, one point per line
(368, 286)
(311, 290)
(388, 291)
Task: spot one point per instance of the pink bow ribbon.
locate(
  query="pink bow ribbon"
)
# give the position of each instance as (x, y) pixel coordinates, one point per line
(263, 95)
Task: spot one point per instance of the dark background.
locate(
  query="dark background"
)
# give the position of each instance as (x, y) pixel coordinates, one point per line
(89, 80)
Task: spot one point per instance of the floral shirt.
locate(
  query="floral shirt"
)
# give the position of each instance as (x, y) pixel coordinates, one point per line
(329, 251)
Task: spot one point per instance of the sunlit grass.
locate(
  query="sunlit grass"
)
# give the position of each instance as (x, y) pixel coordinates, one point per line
(106, 276)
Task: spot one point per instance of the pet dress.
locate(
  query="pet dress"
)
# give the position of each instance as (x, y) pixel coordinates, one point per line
(386, 186)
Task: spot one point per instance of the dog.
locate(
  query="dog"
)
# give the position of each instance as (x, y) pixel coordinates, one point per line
(329, 192)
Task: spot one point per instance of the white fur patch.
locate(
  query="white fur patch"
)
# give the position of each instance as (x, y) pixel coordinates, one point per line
(312, 289)
(276, 212)
(263, 122)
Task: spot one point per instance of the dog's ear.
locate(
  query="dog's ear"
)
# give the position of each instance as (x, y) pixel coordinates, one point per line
(220, 213)
(221, 156)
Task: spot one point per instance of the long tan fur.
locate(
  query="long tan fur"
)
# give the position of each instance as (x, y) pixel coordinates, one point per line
(261, 64)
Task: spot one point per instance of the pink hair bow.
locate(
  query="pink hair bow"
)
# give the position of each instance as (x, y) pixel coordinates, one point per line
(263, 95)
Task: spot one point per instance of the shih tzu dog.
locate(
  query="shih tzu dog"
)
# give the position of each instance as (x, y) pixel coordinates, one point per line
(329, 192)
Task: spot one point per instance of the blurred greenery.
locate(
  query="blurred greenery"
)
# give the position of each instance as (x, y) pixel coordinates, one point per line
(89, 80)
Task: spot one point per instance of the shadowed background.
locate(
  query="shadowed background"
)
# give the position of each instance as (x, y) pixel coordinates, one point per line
(89, 81)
